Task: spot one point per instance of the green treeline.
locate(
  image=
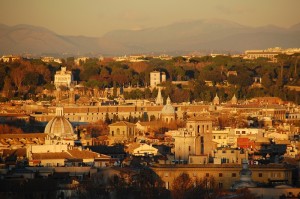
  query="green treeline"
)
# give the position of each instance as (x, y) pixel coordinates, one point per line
(205, 77)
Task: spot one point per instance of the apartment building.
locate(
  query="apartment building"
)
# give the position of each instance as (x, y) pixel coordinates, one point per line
(157, 77)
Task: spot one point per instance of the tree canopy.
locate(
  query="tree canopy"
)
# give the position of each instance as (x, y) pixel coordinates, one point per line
(205, 75)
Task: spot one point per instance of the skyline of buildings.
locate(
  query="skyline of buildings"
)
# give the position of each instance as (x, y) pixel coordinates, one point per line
(268, 53)
(212, 139)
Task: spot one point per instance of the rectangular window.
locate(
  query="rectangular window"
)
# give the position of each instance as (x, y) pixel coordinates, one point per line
(207, 174)
(220, 185)
(260, 175)
(233, 175)
(202, 144)
(220, 174)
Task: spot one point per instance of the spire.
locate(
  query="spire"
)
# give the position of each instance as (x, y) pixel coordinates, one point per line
(159, 99)
(168, 101)
(234, 100)
(216, 100)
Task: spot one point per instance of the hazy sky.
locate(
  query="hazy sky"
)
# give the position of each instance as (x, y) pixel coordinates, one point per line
(96, 17)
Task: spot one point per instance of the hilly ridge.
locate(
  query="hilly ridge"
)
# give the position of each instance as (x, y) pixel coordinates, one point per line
(207, 35)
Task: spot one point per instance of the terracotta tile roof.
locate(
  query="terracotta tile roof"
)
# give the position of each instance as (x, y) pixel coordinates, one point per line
(132, 146)
(102, 109)
(24, 135)
(93, 109)
(112, 109)
(287, 142)
(102, 156)
(274, 100)
(205, 117)
(127, 109)
(58, 155)
(151, 124)
(16, 115)
(21, 152)
(68, 110)
(2, 142)
(83, 100)
(75, 153)
(139, 108)
(154, 108)
(21, 139)
(122, 123)
(81, 110)
(195, 108)
(102, 137)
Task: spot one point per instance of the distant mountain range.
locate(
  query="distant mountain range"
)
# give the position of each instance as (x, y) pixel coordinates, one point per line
(213, 35)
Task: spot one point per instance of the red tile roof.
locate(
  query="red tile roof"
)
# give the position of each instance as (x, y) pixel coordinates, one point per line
(18, 152)
(57, 155)
(83, 154)
(122, 123)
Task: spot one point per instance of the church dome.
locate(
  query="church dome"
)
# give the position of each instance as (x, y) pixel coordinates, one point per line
(245, 174)
(168, 109)
(245, 177)
(60, 127)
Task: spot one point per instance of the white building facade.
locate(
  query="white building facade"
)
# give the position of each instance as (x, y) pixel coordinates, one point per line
(156, 78)
(195, 141)
(63, 78)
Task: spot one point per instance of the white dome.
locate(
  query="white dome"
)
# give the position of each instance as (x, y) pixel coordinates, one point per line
(168, 108)
(60, 127)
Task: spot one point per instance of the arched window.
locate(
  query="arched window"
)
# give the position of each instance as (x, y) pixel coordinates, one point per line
(118, 131)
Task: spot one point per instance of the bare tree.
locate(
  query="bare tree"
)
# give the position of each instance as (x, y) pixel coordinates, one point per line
(182, 186)
(18, 75)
